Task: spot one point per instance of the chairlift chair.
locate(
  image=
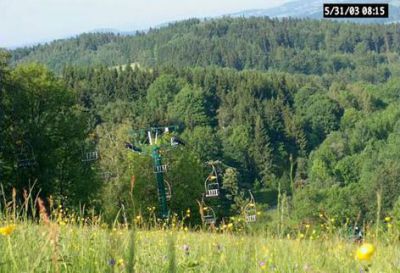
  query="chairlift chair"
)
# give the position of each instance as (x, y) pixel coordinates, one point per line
(211, 184)
(209, 217)
(107, 175)
(168, 190)
(250, 213)
(90, 156)
(250, 210)
(25, 156)
(175, 141)
(160, 169)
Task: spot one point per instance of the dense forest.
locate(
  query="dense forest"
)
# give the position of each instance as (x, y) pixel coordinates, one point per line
(304, 109)
(290, 45)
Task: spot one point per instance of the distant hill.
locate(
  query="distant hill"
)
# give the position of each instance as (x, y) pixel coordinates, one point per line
(313, 10)
(290, 45)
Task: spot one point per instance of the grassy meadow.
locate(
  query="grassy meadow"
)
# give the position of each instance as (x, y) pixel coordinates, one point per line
(51, 246)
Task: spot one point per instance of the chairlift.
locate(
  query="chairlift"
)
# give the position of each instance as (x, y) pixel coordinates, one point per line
(175, 141)
(168, 190)
(90, 153)
(90, 156)
(209, 217)
(25, 156)
(160, 169)
(107, 175)
(211, 184)
(250, 210)
(132, 147)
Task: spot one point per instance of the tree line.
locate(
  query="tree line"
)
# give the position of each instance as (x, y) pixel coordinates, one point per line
(328, 140)
(364, 52)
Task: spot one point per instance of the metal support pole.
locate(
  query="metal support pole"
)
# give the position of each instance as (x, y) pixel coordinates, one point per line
(159, 169)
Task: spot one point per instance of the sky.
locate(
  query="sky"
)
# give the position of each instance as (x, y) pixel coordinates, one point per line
(27, 22)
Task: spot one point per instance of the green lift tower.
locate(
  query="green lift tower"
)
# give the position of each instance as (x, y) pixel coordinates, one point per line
(153, 144)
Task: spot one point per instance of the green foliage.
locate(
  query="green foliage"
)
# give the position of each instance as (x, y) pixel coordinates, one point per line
(189, 107)
(44, 129)
(355, 52)
(159, 94)
(204, 142)
(308, 108)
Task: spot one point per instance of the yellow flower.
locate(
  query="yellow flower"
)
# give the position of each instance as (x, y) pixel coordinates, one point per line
(7, 230)
(120, 262)
(388, 219)
(365, 252)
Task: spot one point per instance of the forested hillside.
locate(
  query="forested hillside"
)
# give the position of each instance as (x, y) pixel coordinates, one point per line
(296, 46)
(306, 109)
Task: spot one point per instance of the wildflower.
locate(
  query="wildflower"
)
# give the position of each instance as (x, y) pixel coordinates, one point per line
(7, 230)
(388, 219)
(389, 226)
(365, 252)
(307, 226)
(230, 225)
(111, 262)
(186, 249)
(263, 265)
(120, 262)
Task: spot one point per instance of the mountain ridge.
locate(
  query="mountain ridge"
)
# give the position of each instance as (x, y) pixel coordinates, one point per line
(314, 10)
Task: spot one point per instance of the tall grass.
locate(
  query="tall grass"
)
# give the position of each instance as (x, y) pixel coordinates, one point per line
(88, 249)
(60, 242)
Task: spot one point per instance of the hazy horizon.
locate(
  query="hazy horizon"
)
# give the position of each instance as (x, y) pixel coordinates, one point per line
(31, 22)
